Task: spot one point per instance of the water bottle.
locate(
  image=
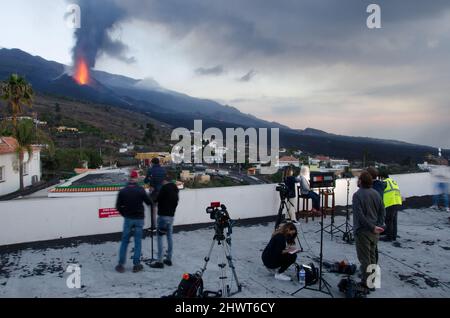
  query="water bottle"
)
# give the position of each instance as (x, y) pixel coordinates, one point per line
(301, 277)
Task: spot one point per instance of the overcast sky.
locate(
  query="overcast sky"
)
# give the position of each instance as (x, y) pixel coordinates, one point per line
(302, 63)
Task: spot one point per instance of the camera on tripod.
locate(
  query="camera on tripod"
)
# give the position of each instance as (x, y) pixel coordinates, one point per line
(218, 212)
(283, 190)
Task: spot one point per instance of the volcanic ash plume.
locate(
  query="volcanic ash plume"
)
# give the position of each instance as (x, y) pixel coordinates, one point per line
(98, 19)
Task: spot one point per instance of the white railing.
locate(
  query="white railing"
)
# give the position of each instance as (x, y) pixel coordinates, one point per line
(40, 219)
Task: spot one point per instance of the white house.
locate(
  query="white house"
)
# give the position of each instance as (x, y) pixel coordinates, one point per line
(9, 166)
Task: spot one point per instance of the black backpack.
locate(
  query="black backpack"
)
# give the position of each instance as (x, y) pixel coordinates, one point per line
(311, 273)
(191, 286)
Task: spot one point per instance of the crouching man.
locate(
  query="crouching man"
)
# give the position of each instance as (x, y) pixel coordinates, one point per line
(130, 205)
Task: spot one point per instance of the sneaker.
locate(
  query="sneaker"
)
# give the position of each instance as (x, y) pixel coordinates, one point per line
(448, 209)
(120, 269)
(282, 277)
(294, 221)
(157, 265)
(434, 207)
(167, 262)
(137, 268)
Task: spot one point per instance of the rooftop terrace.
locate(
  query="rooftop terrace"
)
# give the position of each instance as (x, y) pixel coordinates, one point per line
(418, 265)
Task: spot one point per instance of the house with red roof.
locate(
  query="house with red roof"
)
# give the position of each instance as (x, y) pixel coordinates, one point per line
(9, 166)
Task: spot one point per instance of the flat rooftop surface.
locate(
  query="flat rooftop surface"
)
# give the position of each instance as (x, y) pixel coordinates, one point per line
(418, 265)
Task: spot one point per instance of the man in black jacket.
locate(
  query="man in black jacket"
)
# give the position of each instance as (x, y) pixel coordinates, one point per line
(130, 205)
(167, 204)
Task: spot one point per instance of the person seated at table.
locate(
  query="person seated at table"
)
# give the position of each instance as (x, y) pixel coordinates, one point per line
(306, 191)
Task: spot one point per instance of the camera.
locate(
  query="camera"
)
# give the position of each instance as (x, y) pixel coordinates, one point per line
(283, 190)
(218, 212)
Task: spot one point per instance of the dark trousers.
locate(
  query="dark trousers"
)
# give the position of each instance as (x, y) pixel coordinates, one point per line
(366, 244)
(315, 199)
(391, 222)
(282, 263)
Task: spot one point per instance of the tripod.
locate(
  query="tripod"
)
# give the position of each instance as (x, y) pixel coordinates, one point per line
(333, 228)
(283, 205)
(225, 242)
(322, 281)
(348, 233)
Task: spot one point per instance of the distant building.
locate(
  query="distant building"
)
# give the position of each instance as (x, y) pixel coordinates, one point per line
(165, 158)
(288, 161)
(62, 129)
(9, 166)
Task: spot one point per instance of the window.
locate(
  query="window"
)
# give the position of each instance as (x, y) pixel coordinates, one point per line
(2, 174)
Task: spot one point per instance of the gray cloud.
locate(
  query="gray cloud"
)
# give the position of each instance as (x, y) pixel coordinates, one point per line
(215, 71)
(248, 77)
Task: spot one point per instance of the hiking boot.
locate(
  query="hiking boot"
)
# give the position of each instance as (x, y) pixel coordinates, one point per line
(137, 268)
(157, 265)
(167, 262)
(120, 269)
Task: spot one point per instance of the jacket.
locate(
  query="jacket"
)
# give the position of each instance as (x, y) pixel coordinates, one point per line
(168, 199)
(368, 210)
(130, 201)
(155, 176)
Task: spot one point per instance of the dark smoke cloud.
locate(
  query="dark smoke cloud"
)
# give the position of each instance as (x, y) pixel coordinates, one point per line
(248, 77)
(98, 19)
(216, 70)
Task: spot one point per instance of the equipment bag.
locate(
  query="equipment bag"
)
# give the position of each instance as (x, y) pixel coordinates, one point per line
(191, 286)
(311, 273)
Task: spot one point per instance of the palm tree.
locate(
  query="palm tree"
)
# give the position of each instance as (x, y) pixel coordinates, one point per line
(17, 93)
(24, 135)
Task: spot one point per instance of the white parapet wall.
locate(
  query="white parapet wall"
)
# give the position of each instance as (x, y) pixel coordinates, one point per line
(39, 219)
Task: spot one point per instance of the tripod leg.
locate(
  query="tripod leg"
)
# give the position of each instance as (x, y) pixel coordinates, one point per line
(227, 251)
(280, 213)
(209, 256)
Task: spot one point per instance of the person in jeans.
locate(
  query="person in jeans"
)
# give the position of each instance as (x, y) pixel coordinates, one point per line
(306, 191)
(277, 254)
(130, 205)
(167, 204)
(368, 221)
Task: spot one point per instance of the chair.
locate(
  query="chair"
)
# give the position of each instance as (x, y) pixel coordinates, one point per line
(305, 212)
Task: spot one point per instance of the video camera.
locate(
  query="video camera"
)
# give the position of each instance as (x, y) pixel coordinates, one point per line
(283, 190)
(218, 212)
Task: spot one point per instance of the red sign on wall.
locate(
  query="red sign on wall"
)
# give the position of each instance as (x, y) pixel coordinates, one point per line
(108, 213)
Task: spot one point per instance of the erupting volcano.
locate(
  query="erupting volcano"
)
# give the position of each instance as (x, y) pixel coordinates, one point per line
(81, 74)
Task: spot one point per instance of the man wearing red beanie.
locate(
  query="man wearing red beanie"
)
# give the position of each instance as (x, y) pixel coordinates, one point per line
(130, 205)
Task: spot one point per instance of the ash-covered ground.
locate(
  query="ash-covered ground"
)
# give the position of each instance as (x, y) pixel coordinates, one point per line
(417, 265)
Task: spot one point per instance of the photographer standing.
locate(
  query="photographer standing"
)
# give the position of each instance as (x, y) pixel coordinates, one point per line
(280, 252)
(167, 204)
(290, 181)
(130, 205)
(368, 219)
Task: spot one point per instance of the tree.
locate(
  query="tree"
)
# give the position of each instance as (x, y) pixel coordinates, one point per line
(24, 136)
(17, 93)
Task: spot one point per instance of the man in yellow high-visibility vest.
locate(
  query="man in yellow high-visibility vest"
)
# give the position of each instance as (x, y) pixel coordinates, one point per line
(392, 199)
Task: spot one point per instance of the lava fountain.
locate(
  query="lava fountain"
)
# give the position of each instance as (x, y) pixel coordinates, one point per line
(81, 74)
